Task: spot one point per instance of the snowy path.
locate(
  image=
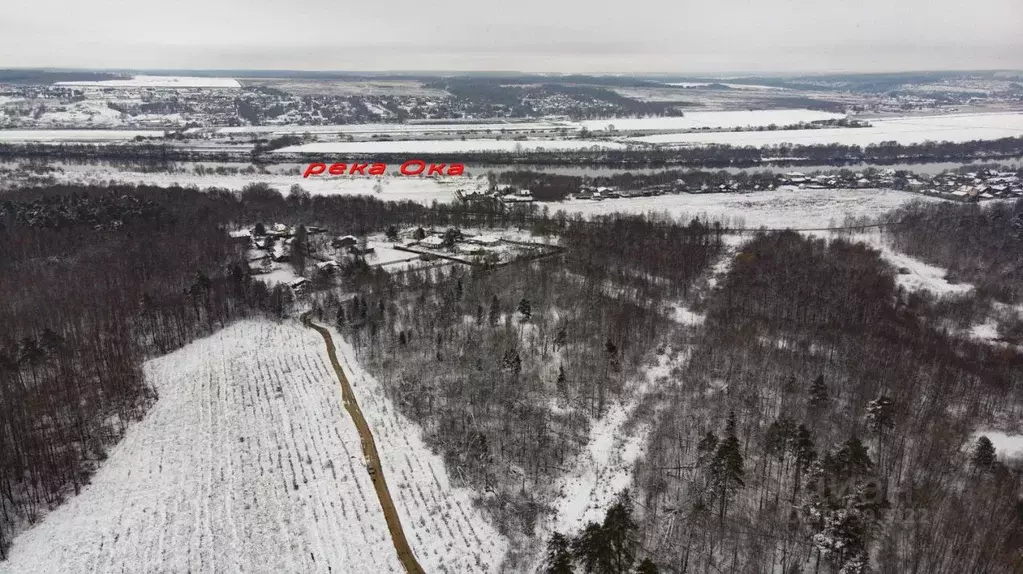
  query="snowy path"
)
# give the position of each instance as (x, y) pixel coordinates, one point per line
(369, 451)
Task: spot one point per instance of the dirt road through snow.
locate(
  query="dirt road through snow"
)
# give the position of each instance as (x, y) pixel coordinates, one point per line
(369, 450)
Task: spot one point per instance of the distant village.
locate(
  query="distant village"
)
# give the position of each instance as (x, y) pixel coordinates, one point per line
(977, 185)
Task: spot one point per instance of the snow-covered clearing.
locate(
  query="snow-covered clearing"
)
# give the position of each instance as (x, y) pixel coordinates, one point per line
(448, 146)
(384, 253)
(908, 130)
(776, 209)
(159, 82)
(247, 463)
(911, 273)
(605, 466)
(75, 135)
(282, 274)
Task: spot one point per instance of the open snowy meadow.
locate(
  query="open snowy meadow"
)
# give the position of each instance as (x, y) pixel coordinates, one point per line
(248, 463)
(954, 128)
(45, 136)
(775, 209)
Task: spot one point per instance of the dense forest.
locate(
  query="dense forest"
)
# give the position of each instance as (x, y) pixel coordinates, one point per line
(821, 425)
(819, 418)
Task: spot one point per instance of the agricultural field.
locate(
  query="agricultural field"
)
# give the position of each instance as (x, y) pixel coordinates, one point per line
(142, 81)
(248, 463)
(58, 136)
(904, 130)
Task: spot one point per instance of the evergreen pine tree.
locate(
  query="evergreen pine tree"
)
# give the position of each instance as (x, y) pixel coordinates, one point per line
(300, 249)
(560, 338)
(881, 414)
(647, 566)
(818, 398)
(852, 460)
(983, 453)
(591, 549)
(619, 531)
(726, 471)
(495, 311)
(559, 555)
(525, 309)
(706, 447)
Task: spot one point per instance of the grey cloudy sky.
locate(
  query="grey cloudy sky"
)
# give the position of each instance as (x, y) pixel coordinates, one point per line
(696, 36)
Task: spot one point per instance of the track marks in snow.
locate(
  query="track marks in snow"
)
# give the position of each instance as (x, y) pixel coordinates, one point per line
(446, 531)
(244, 464)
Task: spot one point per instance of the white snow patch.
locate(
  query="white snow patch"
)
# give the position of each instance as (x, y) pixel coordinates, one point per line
(1007, 446)
(605, 466)
(604, 469)
(986, 331)
(681, 314)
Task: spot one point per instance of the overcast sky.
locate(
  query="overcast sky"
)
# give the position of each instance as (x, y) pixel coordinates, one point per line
(677, 36)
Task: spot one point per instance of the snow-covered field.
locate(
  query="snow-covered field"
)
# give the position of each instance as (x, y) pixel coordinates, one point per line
(733, 86)
(721, 120)
(43, 136)
(404, 129)
(448, 146)
(423, 190)
(248, 463)
(952, 128)
(781, 208)
(692, 120)
(159, 82)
